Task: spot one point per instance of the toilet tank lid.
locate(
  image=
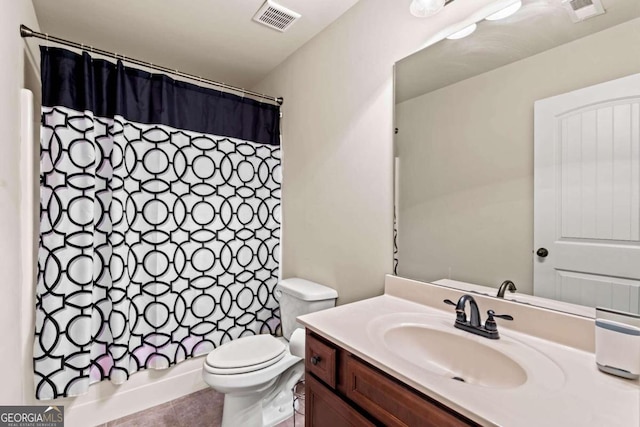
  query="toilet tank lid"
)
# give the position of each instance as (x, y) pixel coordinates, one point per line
(306, 290)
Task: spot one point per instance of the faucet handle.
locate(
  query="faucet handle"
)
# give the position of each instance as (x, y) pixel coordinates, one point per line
(490, 324)
(461, 316)
(491, 314)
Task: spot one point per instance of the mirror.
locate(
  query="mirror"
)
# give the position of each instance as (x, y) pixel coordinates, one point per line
(529, 120)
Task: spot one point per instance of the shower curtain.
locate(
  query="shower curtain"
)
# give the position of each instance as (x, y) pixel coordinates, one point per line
(159, 222)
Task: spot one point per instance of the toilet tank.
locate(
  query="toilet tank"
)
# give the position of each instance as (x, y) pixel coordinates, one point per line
(300, 296)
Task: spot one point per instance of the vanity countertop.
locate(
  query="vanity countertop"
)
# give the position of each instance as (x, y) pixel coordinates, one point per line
(574, 393)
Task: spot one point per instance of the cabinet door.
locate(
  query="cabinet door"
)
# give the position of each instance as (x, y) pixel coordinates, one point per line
(324, 409)
(392, 403)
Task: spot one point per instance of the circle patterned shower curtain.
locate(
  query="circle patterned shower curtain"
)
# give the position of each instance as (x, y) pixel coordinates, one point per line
(159, 225)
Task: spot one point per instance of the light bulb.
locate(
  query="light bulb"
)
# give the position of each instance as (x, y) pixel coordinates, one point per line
(463, 32)
(506, 12)
(425, 8)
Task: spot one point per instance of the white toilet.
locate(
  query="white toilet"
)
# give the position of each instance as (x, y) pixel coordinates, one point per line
(257, 373)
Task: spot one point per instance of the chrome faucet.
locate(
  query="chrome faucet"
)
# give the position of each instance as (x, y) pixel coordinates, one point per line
(506, 285)
(490, 328)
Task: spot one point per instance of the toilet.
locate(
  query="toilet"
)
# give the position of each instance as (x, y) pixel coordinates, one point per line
(257, 373)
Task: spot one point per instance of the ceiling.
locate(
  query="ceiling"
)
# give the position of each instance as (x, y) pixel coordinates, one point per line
(538, 26)
(215, 39)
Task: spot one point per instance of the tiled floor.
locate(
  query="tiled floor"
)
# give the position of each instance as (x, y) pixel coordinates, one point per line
(200, 409)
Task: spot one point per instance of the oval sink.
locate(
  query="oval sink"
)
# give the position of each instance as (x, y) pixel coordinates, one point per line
(454, 356)
(431, 344)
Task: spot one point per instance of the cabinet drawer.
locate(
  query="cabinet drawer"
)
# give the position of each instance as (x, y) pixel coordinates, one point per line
(392, 403)
(320, 359)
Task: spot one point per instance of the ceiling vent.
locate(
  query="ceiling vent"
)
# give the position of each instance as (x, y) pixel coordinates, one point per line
(275, 16)
(581, 10)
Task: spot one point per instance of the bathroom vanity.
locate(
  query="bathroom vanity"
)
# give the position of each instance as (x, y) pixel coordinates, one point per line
(397, 360)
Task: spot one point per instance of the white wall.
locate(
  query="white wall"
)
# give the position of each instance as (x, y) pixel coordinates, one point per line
(338, 142)
(466, 155)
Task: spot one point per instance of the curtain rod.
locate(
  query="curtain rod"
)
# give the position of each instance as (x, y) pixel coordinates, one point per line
(28, 32)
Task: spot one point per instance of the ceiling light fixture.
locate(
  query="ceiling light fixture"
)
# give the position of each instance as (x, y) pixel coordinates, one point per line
(463, 32)
(425, 8)
(506, 12)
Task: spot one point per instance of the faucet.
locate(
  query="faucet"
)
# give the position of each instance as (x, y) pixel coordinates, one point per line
(461, 314)
(490, 328)
(506, 285)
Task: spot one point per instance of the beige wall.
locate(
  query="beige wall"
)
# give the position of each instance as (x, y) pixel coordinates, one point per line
(338, 139)
(466, 160)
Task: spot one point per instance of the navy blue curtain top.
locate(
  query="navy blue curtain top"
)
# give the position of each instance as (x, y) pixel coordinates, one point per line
(107, 89)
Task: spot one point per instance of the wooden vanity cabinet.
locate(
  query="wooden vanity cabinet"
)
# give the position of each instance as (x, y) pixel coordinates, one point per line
(343, 390)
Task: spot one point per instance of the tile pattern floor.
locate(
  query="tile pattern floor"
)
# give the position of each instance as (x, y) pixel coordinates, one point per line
(200, 409)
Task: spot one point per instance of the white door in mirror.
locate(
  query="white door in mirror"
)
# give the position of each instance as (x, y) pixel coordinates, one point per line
(587, 196)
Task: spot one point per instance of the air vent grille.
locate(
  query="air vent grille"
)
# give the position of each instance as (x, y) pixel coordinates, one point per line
(579, 4)
(581, 10)
(275, 16)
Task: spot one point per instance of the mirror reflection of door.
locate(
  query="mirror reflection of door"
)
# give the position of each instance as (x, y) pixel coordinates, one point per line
(587, 196)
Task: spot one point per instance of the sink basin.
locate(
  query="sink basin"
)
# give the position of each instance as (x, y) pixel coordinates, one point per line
(431, 344)
(455, 356)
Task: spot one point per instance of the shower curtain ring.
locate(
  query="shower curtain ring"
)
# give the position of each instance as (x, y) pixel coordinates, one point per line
(47, 39)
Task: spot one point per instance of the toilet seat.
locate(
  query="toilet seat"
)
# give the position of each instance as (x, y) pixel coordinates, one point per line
(246, 354)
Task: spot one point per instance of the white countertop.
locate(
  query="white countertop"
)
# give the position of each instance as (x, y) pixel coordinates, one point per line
(573, 393)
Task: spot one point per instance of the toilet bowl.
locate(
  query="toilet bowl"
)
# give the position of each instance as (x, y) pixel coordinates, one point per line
(257, 373)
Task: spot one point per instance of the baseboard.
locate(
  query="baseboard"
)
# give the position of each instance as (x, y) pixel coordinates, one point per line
(106, 402)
